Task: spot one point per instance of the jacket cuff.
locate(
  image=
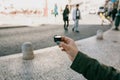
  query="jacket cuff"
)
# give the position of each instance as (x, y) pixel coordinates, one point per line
(79, 63)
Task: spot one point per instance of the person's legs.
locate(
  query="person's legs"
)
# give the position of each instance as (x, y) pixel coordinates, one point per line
(65, 25)
(102, 22)
(55, 14)
(118, 24)
(73, 29)
(76, 25)
(113, 17)
(101, 18)
(116, 28)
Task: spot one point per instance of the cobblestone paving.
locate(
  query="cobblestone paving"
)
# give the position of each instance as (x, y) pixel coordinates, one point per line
(53, 64)
(49, 64)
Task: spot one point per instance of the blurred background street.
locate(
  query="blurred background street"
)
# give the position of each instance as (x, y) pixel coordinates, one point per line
(22, 21)
(24, 12)
(34, 21)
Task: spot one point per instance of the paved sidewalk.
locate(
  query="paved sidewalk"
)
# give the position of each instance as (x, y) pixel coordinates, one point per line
(53, 64)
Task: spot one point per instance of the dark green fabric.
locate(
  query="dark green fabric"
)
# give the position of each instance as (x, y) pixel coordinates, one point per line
(117, 21)
(91, 69)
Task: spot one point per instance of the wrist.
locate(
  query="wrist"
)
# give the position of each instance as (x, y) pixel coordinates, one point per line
(75, 54)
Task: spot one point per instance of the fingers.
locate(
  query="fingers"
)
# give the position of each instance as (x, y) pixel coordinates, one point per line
(66, 39)
(64, 46)
(63, 49)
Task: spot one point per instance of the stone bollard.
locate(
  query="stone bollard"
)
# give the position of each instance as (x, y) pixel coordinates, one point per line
(99, 35)
(27, 51)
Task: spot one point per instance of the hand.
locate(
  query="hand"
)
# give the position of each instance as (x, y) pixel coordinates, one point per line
(68, 45)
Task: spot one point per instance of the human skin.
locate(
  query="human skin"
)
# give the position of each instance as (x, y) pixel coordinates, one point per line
(68, 45)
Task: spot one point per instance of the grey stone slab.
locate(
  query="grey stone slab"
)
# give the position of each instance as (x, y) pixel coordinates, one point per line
(49, 64)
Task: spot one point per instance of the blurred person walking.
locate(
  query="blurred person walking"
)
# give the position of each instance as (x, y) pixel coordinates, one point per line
(76, 17)
(108, 9)
(55, 10)
(66, 17)
(113, 13)
(117, 20)
(102, 16)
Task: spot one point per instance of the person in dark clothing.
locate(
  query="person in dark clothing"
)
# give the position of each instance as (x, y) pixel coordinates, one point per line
(117, 20)
(90, 68)
(66, 17)
(113, 13)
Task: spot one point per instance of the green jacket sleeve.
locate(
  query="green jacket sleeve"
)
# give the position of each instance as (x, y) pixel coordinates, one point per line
(91, 69)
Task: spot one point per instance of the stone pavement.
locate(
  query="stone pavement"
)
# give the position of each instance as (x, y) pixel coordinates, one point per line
(53, 64)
